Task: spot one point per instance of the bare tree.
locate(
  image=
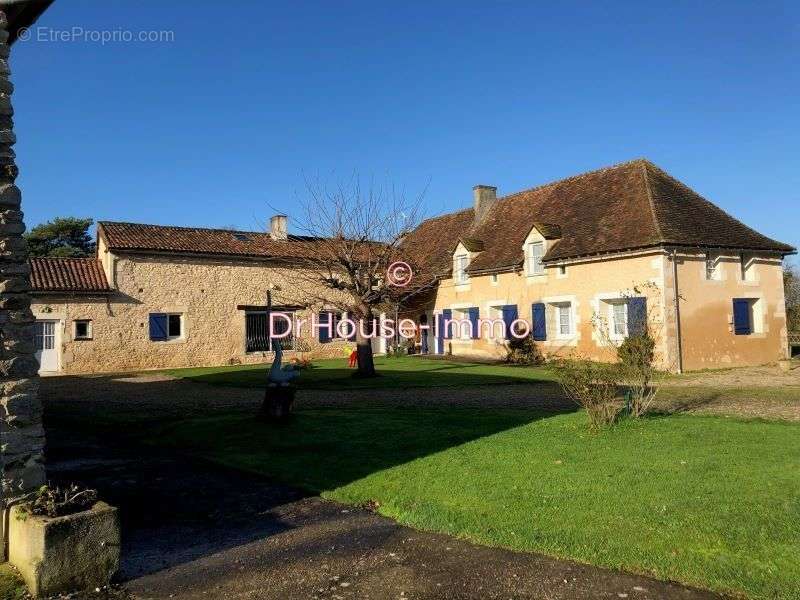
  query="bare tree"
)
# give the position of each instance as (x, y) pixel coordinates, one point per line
(354, 234)
(791, 285)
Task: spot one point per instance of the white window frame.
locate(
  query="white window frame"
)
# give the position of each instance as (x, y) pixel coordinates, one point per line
(89, 333)
(460, 264)
(613, 306)
(712, 273)
(559, 310)
(535, 267)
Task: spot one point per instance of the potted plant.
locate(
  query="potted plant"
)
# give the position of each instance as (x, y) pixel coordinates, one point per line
(64, 540)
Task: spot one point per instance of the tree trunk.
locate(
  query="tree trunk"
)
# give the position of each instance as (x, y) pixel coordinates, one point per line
(21, 432)
(366, 365)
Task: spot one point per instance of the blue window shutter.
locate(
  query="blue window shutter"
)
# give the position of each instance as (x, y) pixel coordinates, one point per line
(539, 322)
(158, 327)
(322, 332)
(637, 316)
(509, 316)
(474, 312)
(741, 317)
(447, 314)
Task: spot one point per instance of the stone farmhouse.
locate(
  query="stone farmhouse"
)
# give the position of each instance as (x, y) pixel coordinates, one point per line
(158, 297)
(576, 259)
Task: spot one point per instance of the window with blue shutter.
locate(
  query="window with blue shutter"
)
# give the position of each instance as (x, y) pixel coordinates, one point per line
(325, 319)
(742, 321)
(637, 316)
(473, 319)
(447, 315)
(539, 322)
(158, 327)
(509, 316)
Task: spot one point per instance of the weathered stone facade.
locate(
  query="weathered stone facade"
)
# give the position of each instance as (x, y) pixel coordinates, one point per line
(21, 432)
(211, 294)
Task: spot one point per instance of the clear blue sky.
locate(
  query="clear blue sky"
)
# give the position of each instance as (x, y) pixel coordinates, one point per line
(217, 126)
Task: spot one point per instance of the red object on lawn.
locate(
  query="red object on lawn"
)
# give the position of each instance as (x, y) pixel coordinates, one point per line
(353, 358)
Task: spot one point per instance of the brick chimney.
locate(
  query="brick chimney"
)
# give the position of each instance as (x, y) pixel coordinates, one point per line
(278, 227)
(484, 197)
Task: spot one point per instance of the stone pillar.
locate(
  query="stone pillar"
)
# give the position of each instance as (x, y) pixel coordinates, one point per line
(21, 431)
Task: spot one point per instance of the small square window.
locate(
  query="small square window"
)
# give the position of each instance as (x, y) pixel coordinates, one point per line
(711, 267)
(83, 329)
(174, 326)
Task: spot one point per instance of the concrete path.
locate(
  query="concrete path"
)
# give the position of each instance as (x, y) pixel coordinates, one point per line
(195, 530)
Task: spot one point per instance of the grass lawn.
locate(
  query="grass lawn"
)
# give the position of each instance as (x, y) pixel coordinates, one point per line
(709, 501)
(403, 372)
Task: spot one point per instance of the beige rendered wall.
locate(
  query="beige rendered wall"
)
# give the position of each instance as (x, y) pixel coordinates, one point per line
(706, 306)
(587, 285)
(707, 311)
(207, 293)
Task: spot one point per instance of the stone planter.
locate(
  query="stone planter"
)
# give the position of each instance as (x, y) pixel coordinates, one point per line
(787, 365)
(65, 554)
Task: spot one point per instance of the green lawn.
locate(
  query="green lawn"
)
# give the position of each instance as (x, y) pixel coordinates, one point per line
(403, 372)
(709, 501)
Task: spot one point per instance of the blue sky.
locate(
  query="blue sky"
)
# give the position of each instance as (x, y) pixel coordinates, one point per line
(226, 121)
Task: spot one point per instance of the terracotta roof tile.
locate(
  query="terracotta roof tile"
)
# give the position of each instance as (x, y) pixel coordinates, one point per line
(83, 275)
(624, 207)
(197, 240)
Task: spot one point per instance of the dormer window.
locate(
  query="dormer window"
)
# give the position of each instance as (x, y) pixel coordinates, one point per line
(460, 264)
(535, 254)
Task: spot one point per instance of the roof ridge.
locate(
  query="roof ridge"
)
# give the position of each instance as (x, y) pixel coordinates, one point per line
(183, 227)
(89, 258)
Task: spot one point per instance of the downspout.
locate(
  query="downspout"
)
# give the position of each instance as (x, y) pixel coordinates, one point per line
(677, 308)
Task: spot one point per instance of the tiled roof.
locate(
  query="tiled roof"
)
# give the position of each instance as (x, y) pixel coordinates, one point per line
(628, 206)
(196, 240)
(83, 275)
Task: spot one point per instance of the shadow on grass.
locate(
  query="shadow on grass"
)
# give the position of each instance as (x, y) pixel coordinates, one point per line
(145, 445)
(325, 448)
(406, 372)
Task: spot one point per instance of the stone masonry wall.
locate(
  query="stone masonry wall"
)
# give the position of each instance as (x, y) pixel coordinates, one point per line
(205, 291)
(21, 432)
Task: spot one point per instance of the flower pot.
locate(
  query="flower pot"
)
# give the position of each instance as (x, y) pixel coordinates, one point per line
(65, 554)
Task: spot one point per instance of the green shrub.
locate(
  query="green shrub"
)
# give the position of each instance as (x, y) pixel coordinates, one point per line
(593, 386)
(523, 351)
(637, 351)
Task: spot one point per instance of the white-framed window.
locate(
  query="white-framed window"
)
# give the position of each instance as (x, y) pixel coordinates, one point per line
(618, 319)
(82, 329)
(712, 272)
(460, 268)
(166, 326)
(535, 254)
(563, 312)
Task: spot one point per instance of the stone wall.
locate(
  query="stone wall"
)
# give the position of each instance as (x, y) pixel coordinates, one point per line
(21, 432)
(206, 291)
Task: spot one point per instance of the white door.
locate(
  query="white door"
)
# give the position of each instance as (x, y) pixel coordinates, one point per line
(46, 346)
